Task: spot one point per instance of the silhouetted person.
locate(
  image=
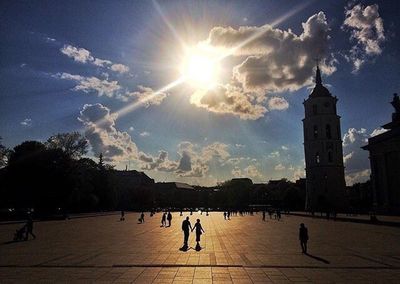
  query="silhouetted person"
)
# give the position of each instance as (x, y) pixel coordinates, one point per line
(141, 219)
(181, 213)
(303, 237)
(163, 220)
(199, 231)
(169, 218)
(224, 215)
(20, 234)
(228, 215)
(122, 215)
(29, 228)
(186, 227)
(263, 215)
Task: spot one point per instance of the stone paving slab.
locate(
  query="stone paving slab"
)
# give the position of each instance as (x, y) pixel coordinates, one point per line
(242, 250)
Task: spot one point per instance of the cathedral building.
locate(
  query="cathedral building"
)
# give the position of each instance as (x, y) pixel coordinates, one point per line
(325, 184)
(384, 156)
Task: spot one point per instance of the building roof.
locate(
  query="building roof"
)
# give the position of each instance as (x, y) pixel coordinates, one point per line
(319, 89)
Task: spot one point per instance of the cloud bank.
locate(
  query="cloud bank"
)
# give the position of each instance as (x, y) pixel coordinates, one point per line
(276, 61)
(366, 31)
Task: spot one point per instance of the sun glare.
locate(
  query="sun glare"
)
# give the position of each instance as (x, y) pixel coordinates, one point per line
(200, 68)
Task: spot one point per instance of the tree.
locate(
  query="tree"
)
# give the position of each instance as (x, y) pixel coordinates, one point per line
(101, 162)
(73, 144)
(4, 153)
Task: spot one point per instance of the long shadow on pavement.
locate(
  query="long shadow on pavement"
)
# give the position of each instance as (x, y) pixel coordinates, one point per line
(318, 258)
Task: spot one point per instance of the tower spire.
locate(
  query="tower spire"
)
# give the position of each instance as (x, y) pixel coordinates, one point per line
(318, 80)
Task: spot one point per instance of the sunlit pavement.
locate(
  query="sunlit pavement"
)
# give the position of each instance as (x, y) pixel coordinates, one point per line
(241, 250)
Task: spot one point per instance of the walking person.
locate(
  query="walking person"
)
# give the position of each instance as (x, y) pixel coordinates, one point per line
(29, 228)
(141, 219)
(169, 218)
(224, 215)
(199, 230)
(122, 215)
(163, 220)
(186, 227)
(303, 237)
(263, 214)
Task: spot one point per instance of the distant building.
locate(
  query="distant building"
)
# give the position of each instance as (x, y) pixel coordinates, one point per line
(325, 185)
(384, 156)
(132, 178)
(245, 181)
(175, 195)
(133, 189)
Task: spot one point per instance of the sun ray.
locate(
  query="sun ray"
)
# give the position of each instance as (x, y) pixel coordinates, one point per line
(279, 20)
(169, 25)
(137, 104)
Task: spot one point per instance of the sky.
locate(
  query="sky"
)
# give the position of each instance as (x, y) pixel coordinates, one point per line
(197, 91)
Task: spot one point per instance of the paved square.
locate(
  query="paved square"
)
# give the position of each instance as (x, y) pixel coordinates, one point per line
(241, 250)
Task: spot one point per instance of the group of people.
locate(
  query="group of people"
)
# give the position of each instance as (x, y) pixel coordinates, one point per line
(166, 217)
(277, 214)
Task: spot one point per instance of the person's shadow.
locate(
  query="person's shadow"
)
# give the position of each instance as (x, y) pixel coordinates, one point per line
(317, 258)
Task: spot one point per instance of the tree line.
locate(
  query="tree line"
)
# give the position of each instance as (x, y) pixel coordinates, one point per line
(53, 175)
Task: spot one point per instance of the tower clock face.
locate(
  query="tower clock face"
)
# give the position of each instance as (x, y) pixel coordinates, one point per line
(326, 104)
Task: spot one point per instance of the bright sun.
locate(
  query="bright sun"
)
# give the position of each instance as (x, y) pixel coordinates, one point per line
(200, 68)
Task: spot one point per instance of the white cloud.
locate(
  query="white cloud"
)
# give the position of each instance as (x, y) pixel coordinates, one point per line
(83, 55)
(92, 84)
(276, 103)
(193, 160)
(253, 172)
(279, 167)
(274, 154)
(131, 128)
(101, 62)
(228, 99)
(299, 173)
(144, 134)
(285, 148)
(355, 159)
(26, 122)
(378, 131)
(145, 96)
(78, 54)
(236, 172)
(358, 177)
(278, 60)
(366, 30)
(104, 137)
(120, 68)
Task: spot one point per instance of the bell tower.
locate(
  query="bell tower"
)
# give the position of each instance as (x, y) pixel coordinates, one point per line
(325, 185)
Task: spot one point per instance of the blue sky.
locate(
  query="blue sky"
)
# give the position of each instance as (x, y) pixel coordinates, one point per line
(73, 65)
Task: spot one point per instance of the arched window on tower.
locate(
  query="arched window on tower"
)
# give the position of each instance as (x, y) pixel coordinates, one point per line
(328, 131)
(317, 158)
(314, 109)
(330, 156)
(315, 131)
